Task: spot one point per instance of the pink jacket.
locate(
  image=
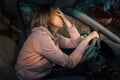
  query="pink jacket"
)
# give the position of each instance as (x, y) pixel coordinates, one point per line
(41, 51)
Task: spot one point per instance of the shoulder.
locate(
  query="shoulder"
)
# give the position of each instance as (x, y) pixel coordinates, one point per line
(38, 34)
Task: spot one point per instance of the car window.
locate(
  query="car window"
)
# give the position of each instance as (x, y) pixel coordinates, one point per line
(105, 12)
(27, 10)
(109, 19)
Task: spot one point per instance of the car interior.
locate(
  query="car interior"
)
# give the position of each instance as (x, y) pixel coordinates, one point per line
(101, 61)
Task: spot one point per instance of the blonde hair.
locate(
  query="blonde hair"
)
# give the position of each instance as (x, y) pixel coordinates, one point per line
(43, 16)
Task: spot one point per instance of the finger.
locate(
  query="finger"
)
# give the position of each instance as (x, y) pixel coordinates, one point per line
(59, 11)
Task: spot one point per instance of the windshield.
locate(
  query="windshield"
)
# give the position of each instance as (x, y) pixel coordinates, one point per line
(106, 12)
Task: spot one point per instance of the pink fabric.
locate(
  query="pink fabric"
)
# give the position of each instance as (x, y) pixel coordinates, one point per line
(41, 50)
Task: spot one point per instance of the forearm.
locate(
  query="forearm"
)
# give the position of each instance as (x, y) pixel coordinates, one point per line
(87, 39)
(75, 35)
(91, 36)
(77, 54)
(68, 23)
(73, 41)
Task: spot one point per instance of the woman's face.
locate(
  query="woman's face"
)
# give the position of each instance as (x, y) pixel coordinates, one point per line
(57, 21)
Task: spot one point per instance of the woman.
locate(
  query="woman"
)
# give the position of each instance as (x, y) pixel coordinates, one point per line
(42, 48)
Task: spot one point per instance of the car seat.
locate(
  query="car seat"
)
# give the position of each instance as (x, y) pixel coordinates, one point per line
(7, 50)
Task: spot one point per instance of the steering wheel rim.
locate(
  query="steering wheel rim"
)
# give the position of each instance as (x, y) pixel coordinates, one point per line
(86, 54)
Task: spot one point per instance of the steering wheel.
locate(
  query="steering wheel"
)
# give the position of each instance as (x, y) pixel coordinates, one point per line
(88, 51)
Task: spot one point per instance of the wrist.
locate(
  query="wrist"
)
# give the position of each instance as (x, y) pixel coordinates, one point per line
(68, 24)
(87, 39)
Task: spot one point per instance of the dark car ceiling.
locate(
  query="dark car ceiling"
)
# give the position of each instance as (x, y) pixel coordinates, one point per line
(11, 5)
(60, 3)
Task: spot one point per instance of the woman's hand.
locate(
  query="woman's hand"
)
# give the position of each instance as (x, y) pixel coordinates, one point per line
(94, 34)
(65, 20)
(91, 36)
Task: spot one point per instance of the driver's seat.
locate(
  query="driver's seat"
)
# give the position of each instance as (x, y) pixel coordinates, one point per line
(7, 49)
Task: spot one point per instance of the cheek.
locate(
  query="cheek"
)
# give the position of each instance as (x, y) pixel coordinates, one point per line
(57, 21)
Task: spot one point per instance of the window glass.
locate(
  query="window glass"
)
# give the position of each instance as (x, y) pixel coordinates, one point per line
(27, 10)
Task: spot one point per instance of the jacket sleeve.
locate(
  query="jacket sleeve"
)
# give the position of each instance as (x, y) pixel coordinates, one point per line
(70, 42)
(50, 51)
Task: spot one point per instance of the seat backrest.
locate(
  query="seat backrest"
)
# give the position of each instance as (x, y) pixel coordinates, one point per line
(6, 71)
(7, 49)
